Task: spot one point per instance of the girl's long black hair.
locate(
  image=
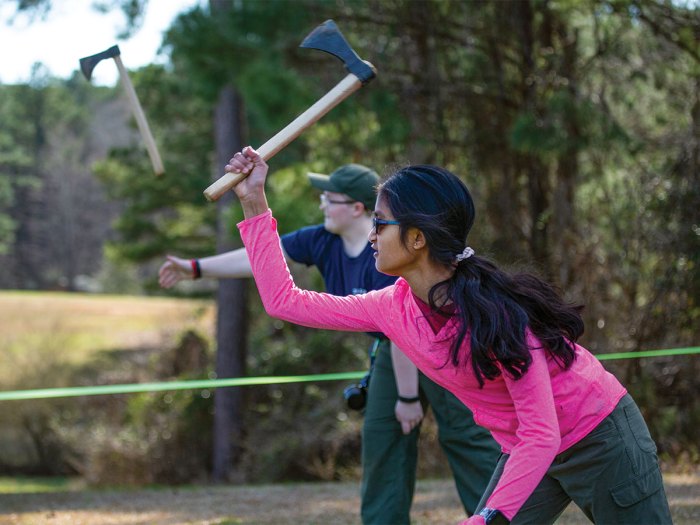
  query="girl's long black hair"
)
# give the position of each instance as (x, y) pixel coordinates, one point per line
(495, 307)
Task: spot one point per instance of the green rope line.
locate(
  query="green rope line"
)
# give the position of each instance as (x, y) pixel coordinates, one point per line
(44, 393)
(649, 353)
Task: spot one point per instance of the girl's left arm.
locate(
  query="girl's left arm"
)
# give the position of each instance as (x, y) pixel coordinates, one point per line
(538, 435)
(282, 299)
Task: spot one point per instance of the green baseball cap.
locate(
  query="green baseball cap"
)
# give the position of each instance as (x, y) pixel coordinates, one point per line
(354, 180)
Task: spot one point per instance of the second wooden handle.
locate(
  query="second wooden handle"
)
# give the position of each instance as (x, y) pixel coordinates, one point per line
(140, 117)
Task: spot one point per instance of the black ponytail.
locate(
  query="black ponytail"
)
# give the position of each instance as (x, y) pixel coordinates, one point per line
(495, 308)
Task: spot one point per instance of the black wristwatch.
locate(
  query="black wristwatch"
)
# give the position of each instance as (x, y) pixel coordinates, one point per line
(493, 516)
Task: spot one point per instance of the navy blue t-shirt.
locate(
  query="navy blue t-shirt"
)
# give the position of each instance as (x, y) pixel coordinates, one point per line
(343, 275)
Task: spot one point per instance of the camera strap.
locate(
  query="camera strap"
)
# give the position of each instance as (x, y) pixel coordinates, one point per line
(373, 352)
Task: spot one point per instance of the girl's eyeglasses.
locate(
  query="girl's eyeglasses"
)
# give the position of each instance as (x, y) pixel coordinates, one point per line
(325, 200)
(378, 223)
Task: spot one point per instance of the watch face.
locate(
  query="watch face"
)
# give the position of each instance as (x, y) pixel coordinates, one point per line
(493, 516)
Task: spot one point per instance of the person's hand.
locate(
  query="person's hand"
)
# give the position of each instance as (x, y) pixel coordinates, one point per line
(409, 415)
(474, 520)
(174, 270)
(248, 161)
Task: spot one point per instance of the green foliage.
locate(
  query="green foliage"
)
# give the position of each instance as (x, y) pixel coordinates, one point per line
(568, 126)
(17, 142)
(155, 429)
(279, 444)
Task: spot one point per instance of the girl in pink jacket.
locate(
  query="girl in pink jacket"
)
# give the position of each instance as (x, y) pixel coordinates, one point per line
(504, 344)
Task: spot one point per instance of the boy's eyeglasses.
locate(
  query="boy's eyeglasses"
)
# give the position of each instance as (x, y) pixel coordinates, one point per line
(325, 200)
(378, 223)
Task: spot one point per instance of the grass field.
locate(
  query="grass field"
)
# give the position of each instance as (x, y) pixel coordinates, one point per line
(299, 504)
(71, 327)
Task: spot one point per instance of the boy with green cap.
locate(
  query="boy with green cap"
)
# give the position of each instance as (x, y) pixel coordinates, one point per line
(397, 392)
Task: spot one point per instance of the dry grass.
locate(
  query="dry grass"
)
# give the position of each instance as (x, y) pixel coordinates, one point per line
(73, 326)
(306, 503)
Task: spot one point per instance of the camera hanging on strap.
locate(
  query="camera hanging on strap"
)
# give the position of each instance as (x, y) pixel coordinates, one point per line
(356, 395)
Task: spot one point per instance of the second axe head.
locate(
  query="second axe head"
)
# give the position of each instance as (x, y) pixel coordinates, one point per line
(87, 65)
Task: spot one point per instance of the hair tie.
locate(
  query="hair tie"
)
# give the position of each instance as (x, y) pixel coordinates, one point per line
(468, 252)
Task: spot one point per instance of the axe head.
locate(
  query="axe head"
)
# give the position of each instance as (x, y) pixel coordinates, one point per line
(87, 64)
(327, 37)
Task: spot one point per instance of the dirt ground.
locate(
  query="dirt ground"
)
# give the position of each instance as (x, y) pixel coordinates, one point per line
(307, 503)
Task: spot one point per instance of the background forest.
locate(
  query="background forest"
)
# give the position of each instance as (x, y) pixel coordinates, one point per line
(576, 123)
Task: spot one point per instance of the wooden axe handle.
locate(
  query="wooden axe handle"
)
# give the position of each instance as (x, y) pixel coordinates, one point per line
(335, 96)
(140, 118)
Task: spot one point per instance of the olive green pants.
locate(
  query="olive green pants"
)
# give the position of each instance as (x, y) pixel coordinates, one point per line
(389, 457)
(612, 474)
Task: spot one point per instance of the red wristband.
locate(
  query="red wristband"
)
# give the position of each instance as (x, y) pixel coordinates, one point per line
(196, 270)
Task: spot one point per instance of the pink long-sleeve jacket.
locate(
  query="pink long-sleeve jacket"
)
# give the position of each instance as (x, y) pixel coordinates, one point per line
(533, 418)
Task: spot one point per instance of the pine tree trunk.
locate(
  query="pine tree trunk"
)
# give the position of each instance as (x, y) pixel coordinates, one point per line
(232, 326)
